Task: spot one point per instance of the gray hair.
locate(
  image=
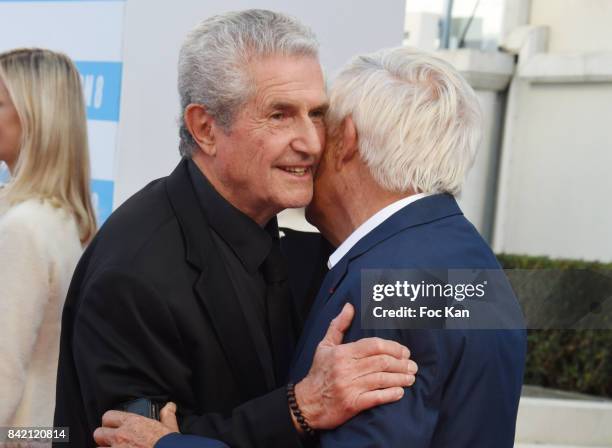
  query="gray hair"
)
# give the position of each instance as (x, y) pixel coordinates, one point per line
(212, 68)
(418, 120)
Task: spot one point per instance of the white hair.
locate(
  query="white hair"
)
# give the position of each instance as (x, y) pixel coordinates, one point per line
(418, 121)
(214, 59)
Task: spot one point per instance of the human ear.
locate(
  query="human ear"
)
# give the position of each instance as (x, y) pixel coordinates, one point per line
(348, 147)
(200, 125)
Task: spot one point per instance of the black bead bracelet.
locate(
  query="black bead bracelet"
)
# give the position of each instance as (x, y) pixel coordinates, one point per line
(295, 410)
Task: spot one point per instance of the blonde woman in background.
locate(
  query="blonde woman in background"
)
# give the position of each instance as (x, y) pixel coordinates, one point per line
(46, 219)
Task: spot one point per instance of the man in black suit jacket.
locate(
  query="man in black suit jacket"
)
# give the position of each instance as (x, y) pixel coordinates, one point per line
(182, 295)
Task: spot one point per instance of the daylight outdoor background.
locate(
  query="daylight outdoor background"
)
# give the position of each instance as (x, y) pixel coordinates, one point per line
(540, 188)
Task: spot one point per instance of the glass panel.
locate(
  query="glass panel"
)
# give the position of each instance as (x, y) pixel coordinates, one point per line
(475, 23)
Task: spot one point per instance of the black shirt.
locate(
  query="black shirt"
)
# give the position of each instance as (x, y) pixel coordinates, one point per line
(244, 246)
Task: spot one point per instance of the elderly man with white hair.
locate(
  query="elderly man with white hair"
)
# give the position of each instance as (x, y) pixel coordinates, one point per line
(184, 295)
(403, 128)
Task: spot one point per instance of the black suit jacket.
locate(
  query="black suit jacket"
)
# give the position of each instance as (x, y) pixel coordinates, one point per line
(151, 313)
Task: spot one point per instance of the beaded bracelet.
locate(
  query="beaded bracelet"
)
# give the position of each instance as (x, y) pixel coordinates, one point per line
(295, 410)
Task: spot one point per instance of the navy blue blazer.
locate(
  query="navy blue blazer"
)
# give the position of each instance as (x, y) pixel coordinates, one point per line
(468, 386)
(176, 440)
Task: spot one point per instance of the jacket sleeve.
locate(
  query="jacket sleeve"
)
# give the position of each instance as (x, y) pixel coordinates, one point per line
(126, 345)
(261, 422)
(24, 292)
(409, 422)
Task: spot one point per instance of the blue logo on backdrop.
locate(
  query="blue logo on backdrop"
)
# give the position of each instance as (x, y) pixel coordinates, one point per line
(102, 198)
(4, 174)
(101, 88)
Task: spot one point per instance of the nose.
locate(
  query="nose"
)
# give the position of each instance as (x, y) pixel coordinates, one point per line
(309, 138)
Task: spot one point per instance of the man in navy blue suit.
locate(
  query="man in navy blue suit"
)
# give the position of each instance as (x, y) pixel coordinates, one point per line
(403, 128)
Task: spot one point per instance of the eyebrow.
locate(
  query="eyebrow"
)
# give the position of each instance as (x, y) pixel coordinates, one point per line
(322, 107)
(289, 106)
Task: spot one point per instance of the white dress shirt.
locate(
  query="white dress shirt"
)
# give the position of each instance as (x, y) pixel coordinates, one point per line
(370, 224)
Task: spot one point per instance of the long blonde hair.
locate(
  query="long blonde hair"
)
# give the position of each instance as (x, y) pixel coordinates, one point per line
(53, 160)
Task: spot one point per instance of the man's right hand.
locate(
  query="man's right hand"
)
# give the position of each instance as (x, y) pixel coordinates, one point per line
(346, 379)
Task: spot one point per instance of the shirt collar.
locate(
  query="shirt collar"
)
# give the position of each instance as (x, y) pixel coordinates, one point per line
(370, 224)
(249, 242)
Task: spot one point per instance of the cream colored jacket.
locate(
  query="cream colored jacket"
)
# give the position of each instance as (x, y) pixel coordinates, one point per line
(39, 249)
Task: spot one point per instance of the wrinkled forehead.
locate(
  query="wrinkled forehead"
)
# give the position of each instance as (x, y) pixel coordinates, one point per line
(288, 80)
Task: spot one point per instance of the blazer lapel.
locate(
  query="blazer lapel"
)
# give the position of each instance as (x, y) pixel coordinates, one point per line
(215, 290)
(428, 209)
(243, 349)
(321, 299)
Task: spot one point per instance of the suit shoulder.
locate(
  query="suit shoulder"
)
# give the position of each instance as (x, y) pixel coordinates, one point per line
(143, 220)
(150, 204)
(451, 243)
